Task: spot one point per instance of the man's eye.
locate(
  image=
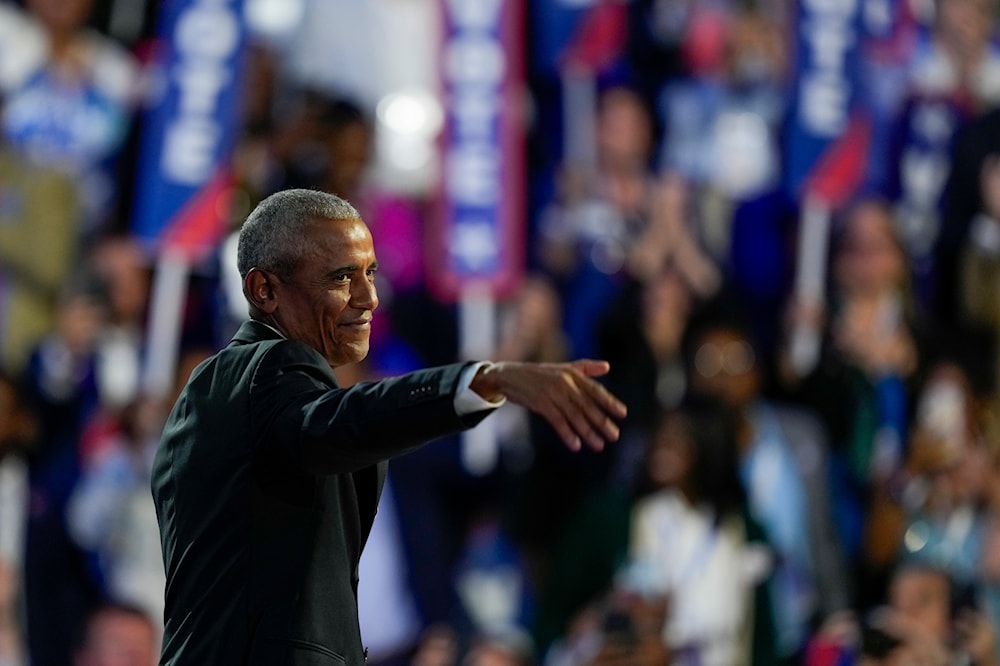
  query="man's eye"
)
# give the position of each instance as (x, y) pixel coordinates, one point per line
(371, 272)
(342, 277)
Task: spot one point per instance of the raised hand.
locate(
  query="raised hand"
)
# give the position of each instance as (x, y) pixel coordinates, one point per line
(565, 394)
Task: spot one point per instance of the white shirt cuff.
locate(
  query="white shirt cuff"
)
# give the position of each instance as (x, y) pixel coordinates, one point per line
(468, 401)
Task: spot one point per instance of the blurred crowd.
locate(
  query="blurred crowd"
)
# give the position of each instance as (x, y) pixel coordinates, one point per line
(763, 506)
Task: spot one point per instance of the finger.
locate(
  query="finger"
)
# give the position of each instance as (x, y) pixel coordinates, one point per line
(578, 413)
(598, 421)
(605, 401)
(562, 427)
(598, 405)
(592, 368)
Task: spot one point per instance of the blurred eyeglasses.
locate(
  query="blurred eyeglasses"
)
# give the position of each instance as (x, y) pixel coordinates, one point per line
(733, 359)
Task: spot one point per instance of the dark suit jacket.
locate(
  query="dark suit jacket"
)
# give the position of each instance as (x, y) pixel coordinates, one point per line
(266, 483)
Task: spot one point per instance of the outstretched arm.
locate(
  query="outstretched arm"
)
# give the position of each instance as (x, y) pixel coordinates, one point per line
(564, 394)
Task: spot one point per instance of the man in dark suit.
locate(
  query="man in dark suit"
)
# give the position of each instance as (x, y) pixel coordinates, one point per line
(268, 475)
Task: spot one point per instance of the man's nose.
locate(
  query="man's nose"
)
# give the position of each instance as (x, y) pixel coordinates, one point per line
(364, 296)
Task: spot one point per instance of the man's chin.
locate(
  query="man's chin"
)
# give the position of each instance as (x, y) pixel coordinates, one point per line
(355, 353)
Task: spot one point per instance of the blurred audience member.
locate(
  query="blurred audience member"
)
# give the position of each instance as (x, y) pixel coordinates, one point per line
(641, 337)
(872, 338)
(641, 334)
(499, 648)
(350, 142)
(59, 584)
(117, 635)
(257, 157)
(940, 509)
(924, 618)
(37, 251)
(927, 621)
(670, 238)
(695, 545)
(530, 327)
(585, 236)
(722, 123)
(723, 126)
(978, 295)
(124, 269)
(873, 322)
(438, 647)
(18, 436)
(110, 514)
(692, 564)
(954, 77)
(531, 330)
(68, 98)
(783, 465)
(625, 629)
(990, 564)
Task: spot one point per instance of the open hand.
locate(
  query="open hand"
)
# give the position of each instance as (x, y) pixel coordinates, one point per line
(564, 394)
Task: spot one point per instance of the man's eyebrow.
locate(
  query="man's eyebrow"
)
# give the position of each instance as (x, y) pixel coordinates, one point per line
(351, 268)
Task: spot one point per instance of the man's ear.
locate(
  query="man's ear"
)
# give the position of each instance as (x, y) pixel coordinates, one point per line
(258, 288)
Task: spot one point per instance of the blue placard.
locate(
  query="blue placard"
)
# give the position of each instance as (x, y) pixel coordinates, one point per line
(481, 200)
(828, 40)
(192, 126)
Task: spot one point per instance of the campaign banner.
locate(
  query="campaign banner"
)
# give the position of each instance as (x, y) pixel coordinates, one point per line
(827, 135)
(191, 127)
(555, 26)
(477, 231)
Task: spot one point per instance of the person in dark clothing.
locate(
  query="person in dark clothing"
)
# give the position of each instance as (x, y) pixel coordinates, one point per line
(268, 474)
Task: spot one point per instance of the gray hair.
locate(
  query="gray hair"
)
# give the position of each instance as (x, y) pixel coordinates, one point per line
(273, 238)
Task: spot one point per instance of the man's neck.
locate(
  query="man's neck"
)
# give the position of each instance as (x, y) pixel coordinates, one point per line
(264, 323)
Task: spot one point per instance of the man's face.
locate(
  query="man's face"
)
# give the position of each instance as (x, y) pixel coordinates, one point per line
(923, 598)
(327, 301)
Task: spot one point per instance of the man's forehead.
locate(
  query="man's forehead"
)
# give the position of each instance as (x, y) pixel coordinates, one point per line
(342, 225)
(333, 235)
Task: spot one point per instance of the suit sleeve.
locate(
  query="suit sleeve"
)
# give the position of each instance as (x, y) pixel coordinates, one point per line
(297, 407)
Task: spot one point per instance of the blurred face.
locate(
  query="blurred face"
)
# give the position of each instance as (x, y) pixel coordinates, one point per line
(725, 368)
(537, 315)
(923, 598)
(122, 264)
(666, 304)
(756, 50)
(13, 420)
(624, 134)
(327, 302)
(63, 16)
(79, 320)
(967, 23)
(670, 454)
(350, 154)
(119, 639)
(870, 260)
(491, 655)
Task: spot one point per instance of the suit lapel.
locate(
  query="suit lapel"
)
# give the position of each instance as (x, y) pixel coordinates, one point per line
(368, 482)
